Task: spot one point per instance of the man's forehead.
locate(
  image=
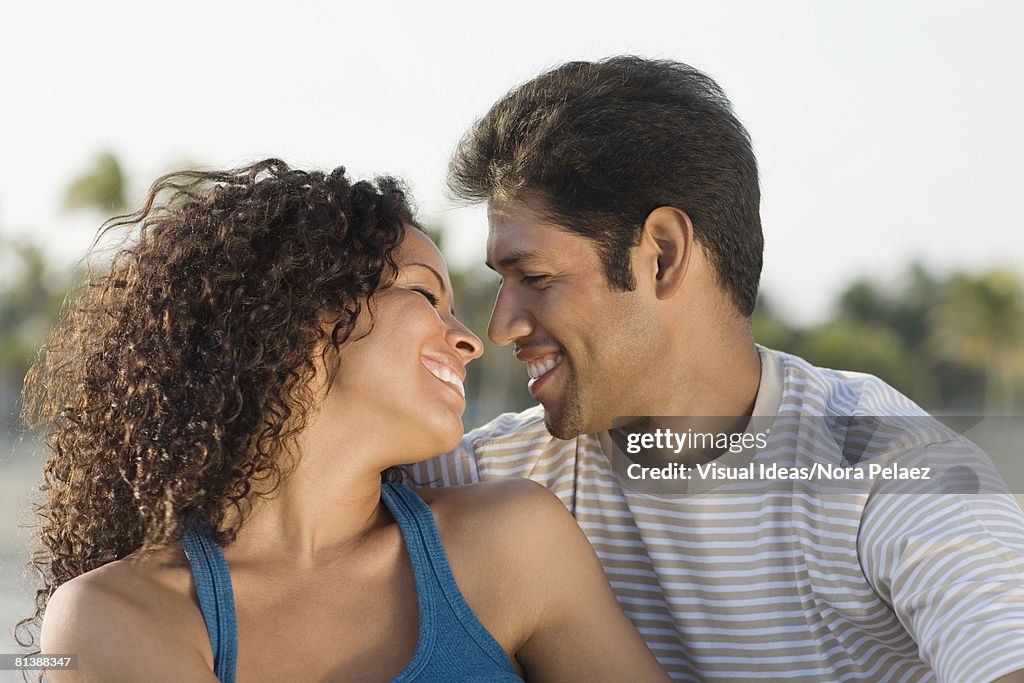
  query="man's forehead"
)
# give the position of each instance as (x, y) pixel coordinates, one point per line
(518, 236)
(519, 218)
(515, 233)
(504, 213)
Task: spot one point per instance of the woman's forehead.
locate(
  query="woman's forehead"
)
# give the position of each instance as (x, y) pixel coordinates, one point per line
(418, 248)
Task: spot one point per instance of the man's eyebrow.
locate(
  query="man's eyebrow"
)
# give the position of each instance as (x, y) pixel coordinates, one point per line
(514, 259)
(440, 280)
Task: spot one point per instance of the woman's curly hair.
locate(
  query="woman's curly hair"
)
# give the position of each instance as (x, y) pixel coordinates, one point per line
(177, 378)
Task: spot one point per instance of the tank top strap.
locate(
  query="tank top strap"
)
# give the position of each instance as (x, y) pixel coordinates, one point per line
(442, 604)
(216, 599)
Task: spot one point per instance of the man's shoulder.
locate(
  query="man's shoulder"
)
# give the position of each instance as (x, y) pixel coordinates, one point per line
(512, 427)
(824, 391)
(857, 412)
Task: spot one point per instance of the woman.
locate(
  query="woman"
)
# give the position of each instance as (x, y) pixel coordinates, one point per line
(225, 409)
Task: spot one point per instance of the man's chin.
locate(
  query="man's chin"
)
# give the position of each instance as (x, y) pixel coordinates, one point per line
(562, 424)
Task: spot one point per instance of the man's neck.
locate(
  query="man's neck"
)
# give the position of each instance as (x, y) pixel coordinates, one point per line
(714, 380)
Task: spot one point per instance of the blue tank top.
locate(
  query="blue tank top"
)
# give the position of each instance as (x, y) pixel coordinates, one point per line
(452, 644)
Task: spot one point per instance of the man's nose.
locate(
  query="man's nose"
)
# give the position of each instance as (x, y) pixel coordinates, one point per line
(510, 320)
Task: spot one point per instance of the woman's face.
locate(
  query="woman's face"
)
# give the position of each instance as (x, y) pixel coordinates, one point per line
(403, 379)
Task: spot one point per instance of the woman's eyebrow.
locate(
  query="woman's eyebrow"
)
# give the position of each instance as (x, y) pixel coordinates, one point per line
(440, 280)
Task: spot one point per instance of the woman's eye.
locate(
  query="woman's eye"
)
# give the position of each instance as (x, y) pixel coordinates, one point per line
(434, 301)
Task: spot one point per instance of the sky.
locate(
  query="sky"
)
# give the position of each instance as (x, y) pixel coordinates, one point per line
(885, 131)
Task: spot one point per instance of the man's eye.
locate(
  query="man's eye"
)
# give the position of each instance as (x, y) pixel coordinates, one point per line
(535, 279)
(434, 301)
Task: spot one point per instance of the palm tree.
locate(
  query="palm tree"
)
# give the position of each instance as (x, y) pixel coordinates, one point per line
(31, 294)
(979, 322)
(101, 188)
(29, 304)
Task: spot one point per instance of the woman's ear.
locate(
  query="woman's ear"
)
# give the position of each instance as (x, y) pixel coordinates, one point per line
(668, 234)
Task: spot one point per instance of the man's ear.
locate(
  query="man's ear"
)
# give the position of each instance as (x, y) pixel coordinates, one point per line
(669, 231)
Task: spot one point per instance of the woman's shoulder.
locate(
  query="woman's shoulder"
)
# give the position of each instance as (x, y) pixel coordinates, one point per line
(502, 539)
(136, 614)
(531, 576)
(137, 586)
(514, 527)
(487, 494)
(501, 510)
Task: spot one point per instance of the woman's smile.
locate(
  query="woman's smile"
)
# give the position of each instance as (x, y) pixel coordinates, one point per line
(448, 374)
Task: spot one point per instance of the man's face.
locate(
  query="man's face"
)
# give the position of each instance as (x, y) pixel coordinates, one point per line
(586, 347)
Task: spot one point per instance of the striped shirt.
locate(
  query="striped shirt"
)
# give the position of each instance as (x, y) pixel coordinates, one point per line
(871, 580)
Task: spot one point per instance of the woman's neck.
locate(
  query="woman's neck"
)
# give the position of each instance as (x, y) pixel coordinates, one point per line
(327, 503)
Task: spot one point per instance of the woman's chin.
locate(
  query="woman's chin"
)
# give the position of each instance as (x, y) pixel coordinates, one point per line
(440, 441)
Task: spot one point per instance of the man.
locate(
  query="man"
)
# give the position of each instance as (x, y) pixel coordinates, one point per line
(623, 207)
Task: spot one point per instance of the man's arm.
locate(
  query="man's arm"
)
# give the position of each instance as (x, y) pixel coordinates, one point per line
(951, 565)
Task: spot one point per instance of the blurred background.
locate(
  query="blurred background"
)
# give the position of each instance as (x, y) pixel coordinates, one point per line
(888, 136)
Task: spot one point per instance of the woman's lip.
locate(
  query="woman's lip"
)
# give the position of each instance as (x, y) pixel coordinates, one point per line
(435, 364)
(446, 375)
(452, 388)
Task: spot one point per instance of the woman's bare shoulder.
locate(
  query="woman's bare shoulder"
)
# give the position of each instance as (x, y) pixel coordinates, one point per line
(131, 616)
(514, 504)
(513, 526)
(532, 577)
(500, 537)
(487, 494)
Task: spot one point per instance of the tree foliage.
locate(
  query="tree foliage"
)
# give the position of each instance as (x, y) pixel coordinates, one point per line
(102, 187)
(30, 297)
(950, 343)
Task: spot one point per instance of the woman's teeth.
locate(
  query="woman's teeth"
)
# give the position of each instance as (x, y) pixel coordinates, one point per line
(447, 375)
(537, 368)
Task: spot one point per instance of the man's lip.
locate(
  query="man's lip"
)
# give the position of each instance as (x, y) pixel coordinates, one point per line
(535, 385)
(527, 354)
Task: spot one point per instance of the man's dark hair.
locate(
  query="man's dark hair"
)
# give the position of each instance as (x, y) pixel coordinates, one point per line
(602, 144)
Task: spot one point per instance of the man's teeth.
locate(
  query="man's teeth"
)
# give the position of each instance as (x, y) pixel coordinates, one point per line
(447, 375)
(537, 368)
